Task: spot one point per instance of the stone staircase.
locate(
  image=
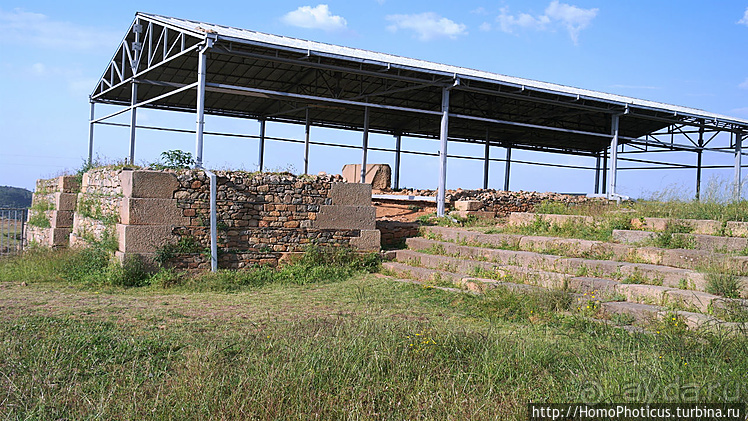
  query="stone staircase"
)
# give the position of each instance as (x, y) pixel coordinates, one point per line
(642, 283)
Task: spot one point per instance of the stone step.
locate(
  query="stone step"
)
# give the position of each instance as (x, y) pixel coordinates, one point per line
(469, 268)
(622, 253)
(700, 242)
(641, 314)
(470, 284)
(631, 272)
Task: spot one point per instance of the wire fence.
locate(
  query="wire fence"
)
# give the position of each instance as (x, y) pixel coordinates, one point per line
(12, 230)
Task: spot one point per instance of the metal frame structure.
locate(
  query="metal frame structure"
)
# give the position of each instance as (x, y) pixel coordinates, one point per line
(180, 65)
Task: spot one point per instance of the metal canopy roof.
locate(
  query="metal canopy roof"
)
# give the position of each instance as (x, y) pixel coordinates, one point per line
(275, 78)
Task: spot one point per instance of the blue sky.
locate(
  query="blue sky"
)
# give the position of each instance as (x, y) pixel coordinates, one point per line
(678, 52)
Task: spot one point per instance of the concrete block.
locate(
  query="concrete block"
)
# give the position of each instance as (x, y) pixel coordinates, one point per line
(350, 194)
(737, 229)
(66, 201)
(143, 238)
(369, 240)
(468, 205)
(60, 219)
(378, 175)
(143, 211)
(68, 184)
(346, 217)
(148, 184)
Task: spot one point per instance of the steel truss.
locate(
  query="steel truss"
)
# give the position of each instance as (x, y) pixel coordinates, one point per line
(243, 74)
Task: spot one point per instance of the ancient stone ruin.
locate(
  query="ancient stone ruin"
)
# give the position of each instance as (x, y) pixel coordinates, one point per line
(164, 215)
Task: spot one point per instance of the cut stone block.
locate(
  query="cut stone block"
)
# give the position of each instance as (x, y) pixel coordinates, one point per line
(521, 218)
(369, 240)
(350, 194)
(594, 287)
(737, 229)
(68, 184)
(66, 201)
(148, 184)
(59, 237)
(477, 214)
(346, 217)
(468, 205)
(147, 260)
(700, 226)
(710, 242)
(647, 294)
(378, 175)
(698, 300)
(632, 237)
(60, 219)
(143, 211)
(143, 238)
(642, 313)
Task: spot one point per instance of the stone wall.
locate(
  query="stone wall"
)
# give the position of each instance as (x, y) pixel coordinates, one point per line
(394, 233)
(502, 203)
(263, 217)
(164, 215)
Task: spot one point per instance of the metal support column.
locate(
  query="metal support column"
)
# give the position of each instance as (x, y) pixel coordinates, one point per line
(507, 166)
(597, 174)
(133, 119)
(613, 155)
(443, 134)
(262, 145)
(738, 163)
(398, 144)
(365, 146)
(91, 134)
(202, 65)
(306, 142)
(699, 152)
(605, 173)
(486, 162)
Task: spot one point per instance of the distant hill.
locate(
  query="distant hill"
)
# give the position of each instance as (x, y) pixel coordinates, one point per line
(14, 197)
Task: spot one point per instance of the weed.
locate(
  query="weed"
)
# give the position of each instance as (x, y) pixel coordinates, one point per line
(622, 319)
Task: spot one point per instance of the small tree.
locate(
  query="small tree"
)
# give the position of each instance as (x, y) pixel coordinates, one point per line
(174, 160)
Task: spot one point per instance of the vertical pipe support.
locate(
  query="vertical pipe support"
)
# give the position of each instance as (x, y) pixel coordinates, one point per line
(443, 134)
(202, 66)
(605, 173)
(365, 146)
(699, 152)
(597, 174)
(398, 145)
(133, 119)
(486, 162)
(91, 132)
(507, 167)
(307, 128)
(262, 145)
(613, 156)
(738, 164)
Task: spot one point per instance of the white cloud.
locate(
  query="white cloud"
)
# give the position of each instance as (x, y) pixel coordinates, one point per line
(39, 69)
(744, 85)
(427, 25)
(485, 27)
(744, 21)
(318, 17)
(19, 26)
(381, 2)
(574, 19)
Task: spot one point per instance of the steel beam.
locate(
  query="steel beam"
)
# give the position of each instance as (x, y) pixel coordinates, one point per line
(443, 140)
(698, 163)
(365, 145)
(613, 155)
(307, 128)
(262, 145)
(605, 173)
(507, 166)
(91, 134)
(398, 144)
(133, 119)
(486, 162)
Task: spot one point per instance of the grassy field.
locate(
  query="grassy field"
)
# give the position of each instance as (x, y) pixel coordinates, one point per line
(337, 344)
